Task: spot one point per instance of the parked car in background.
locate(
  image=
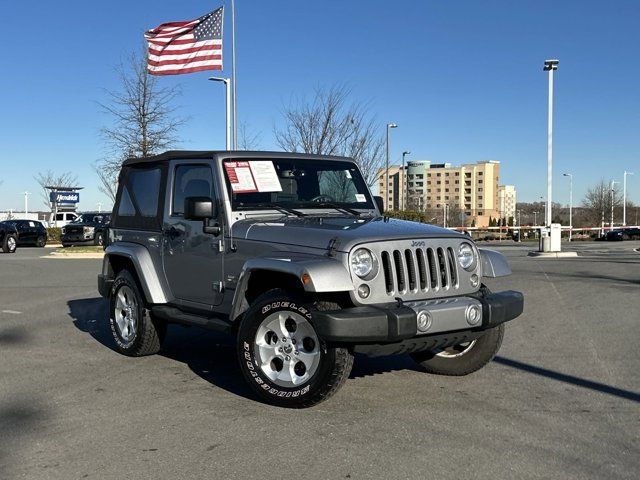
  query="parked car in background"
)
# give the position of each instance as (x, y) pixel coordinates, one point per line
(8, 237)
(87, 228)
(61, 219)
(622, 234)
(30, 232)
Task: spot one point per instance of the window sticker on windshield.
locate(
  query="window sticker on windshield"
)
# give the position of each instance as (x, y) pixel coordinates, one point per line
(240, 177)
(264, 173)
(347, 173)
(360, 197)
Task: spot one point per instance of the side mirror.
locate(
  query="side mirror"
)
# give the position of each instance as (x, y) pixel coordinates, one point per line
(379, 203)
(202, 208)
(198, 208)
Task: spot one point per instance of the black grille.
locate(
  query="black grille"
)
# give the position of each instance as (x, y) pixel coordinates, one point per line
(422, 269)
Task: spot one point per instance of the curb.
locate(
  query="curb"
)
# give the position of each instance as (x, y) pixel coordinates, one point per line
(63, 256)
(552, 254)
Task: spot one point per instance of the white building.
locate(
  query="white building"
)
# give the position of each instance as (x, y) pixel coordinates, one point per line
(507, 202)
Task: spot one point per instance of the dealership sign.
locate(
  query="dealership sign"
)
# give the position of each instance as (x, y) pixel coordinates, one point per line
(64, 197)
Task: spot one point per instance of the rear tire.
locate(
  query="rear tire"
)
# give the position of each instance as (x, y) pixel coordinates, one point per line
(41, 242)
(134, 330)
(10, 244)
(462, 359)
(282, 358)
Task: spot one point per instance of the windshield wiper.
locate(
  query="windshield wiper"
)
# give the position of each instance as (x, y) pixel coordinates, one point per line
(279, 208)
(336, 207)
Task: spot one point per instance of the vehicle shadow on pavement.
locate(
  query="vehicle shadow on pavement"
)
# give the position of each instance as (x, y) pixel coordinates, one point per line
(208, 354)
(570, 379)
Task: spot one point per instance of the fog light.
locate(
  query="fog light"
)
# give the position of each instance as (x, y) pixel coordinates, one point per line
(364, 291)
(424, 321)
(474, 314)
(474, 280)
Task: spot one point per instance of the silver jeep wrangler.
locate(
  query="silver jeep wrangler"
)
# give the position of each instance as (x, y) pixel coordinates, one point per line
(290, 254)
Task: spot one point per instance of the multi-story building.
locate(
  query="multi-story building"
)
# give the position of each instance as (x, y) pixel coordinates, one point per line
(507, 202)
(471, 189)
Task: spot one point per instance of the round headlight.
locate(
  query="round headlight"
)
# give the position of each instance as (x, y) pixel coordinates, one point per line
(466, 257)
(362, 262)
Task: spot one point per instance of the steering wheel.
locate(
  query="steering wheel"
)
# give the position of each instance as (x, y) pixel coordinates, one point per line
(323, 199)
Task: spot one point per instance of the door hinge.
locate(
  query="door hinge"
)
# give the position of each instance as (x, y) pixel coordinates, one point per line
(221, 246)
(218, 287)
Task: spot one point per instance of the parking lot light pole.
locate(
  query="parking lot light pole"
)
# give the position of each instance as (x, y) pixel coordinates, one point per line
(570, 203)
(227, 95)
(549, 66)
(386, 175)
(624, 198)
(535, 219)
(613, 182)
(405, 182)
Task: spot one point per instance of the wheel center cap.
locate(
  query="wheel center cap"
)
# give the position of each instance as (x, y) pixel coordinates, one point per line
(287, 349)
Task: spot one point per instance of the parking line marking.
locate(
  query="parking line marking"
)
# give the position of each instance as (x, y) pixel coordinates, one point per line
(12, 312)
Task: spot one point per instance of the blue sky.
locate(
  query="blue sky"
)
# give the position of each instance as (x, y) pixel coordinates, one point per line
(462, 79)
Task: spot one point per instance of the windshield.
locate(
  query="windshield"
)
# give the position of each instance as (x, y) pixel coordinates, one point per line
(295, 183)
(91, 218)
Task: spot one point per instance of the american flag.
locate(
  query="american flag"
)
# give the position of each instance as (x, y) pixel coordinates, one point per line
(185, 47)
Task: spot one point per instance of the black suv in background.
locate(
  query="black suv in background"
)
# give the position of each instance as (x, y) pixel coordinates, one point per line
(88, 228)
(8, 236)
(30, 232)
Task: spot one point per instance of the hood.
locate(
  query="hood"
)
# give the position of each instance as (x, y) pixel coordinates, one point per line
(342, 232)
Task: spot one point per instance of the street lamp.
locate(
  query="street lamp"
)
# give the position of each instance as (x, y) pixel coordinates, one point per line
(624, 198)
(613, 182)
(535, 219)
(386, 185)
(405, 184)
(226, 82)
(549, 66)
(570, 202)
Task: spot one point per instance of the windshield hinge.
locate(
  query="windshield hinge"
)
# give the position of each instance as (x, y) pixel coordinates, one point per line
(332, 247)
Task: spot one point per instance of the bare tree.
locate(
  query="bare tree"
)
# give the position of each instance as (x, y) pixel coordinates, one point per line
(144, 120)
(597, 203)
(248, 140)
(330, 125)
(51, 179)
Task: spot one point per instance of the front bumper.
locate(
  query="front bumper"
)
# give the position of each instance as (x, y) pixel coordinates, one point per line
(389, 324)
(77, 239)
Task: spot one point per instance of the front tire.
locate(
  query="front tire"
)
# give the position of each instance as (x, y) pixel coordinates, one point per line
(462, 359)
(41, 242)
(9, 244)
(134, 330)
(98, 240)
(281, 356)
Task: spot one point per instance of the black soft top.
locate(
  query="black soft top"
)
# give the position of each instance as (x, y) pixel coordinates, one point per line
(210, 154)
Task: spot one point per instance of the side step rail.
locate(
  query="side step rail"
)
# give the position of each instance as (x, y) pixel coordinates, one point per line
(174, 315)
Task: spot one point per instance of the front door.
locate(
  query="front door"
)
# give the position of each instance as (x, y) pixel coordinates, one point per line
(192, 259)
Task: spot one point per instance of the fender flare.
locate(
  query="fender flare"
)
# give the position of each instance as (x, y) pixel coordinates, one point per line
(324, 274)
(153, 287)
(494, 264)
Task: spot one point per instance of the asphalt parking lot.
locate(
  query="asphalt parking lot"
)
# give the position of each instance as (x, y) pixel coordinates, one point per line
(562, 399)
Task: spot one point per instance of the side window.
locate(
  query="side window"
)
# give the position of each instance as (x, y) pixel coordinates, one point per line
(144, 185)
(190, 181)
(139, 199)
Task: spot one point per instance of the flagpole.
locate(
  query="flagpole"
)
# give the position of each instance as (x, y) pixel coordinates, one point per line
(233, 74)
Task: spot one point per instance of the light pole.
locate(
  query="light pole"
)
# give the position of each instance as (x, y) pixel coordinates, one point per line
(227, 95)
(26, 202)
(99, 205)
(549, 66)
(444, 215)
(535, 219)
(570, 202)
(624, 198)
(519, 226)
(613, 182)
(405, 182)
(386, 175)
